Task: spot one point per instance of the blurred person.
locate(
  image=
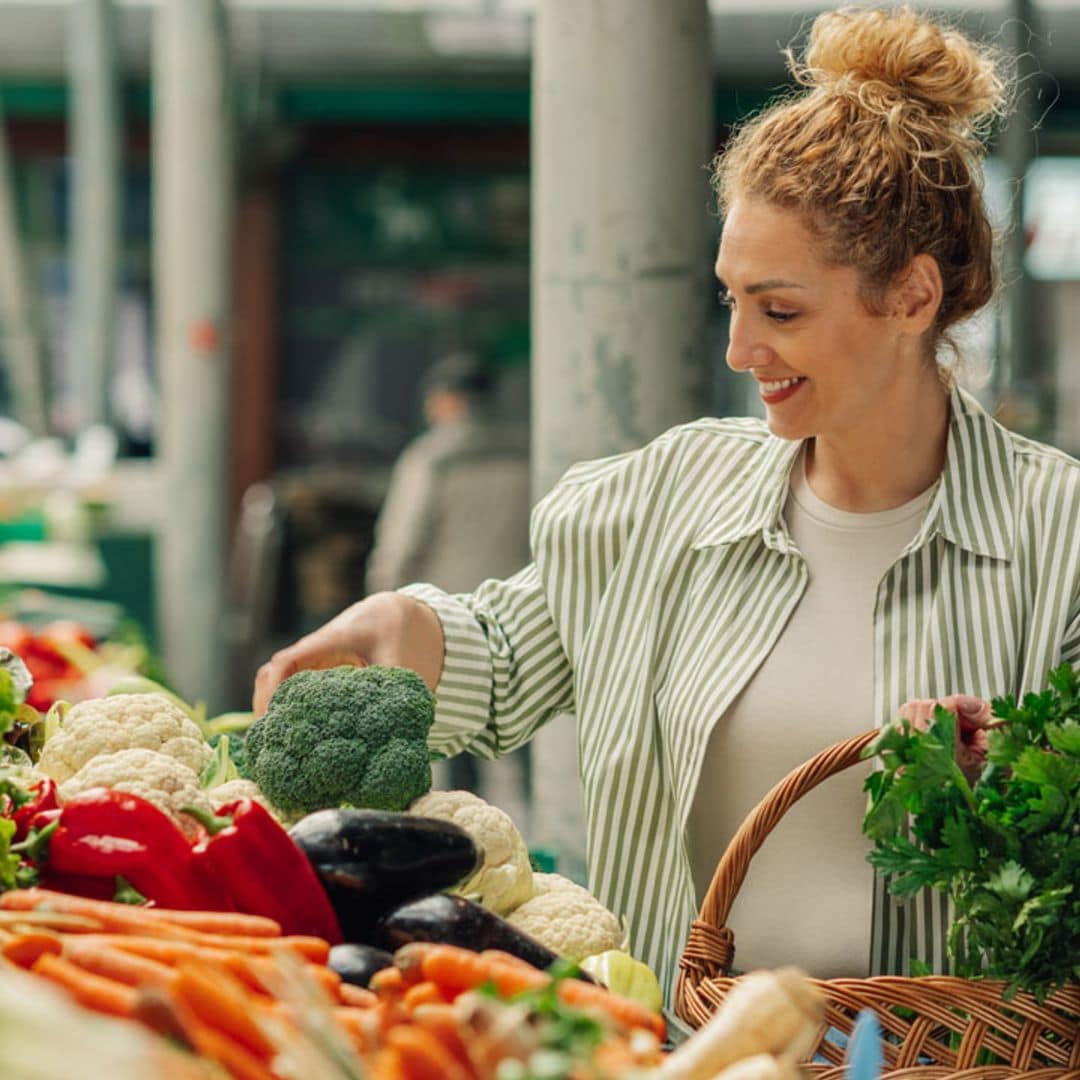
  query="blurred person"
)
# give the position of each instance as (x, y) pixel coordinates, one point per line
(722, 604)
(457, 512)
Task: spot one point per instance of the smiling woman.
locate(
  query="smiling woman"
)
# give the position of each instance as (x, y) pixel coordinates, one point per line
(720, 605)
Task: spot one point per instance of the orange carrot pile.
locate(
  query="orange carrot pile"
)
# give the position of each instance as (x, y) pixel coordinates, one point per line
(220, 983)
(207, 978)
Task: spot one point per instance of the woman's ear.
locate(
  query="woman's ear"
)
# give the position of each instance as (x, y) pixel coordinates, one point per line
(916, 296)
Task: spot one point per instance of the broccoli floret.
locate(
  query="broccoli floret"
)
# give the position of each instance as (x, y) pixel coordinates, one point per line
(352, 736)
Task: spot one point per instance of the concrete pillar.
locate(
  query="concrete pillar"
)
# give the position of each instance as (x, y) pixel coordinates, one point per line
(1026, 378)
(20, 331)
(95, 204)
(622, 130)
(193, 199)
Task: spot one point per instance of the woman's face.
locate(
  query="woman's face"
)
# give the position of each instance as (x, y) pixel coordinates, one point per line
(825, 366)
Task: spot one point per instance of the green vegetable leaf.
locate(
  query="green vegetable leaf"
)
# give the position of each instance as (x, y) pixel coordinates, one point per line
(1006, 848)
(221, 768)
(1065, 737)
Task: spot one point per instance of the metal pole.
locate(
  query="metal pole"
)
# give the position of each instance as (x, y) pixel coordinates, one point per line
(20, 337)
(95, 199)
(622, 129)
(193, 202)
(1027, 402)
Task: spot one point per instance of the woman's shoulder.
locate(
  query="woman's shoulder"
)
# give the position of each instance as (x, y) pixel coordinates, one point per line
(723, 437)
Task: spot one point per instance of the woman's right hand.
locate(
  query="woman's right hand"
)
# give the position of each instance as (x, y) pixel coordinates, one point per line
(385, 628)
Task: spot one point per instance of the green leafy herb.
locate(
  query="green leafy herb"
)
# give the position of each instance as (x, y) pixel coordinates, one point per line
(1006, 848)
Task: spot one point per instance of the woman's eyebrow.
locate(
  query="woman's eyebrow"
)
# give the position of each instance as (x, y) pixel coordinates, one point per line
(768, 283)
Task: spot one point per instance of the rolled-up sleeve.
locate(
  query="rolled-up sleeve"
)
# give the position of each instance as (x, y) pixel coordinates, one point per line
(504, 669)
(510, 645)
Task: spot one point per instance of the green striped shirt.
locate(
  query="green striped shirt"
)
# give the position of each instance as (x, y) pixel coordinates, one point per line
(662, 578)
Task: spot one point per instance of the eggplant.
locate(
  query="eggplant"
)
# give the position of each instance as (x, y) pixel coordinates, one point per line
(372, 861)
(453, 920)
(357, 963)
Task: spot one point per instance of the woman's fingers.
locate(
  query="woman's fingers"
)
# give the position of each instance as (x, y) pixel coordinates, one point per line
(322, 649)
(973, 716)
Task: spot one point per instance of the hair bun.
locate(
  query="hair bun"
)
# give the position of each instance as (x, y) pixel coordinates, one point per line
(903, 56)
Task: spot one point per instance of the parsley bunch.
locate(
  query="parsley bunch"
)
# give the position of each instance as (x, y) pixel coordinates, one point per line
(1006, 848)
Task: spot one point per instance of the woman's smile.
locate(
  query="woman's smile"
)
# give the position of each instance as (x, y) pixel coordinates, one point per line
(772, 393)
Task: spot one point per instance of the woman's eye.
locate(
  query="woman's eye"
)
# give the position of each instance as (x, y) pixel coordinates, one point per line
(725, 298)
(781, 316)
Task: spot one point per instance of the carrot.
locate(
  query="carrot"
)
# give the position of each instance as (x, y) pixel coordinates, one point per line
(115, 964)
(114, 917)
(357, 1027)
(163, 950)
(218, 1000)
(442, 1022)
(423, 1055)
(387, 981)
(358, 997)
(387, 1065)
(310, 948)
(24, 949)
(423, 993)
(262, 973)
(236, 1058)
(630, 1014)
(235, 923)
(47, 920)
(94, 991)
(457, 970)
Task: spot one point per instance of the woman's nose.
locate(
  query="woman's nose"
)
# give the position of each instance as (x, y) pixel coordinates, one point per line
(743, 352)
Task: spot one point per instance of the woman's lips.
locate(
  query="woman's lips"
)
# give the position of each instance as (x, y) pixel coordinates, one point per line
(775, 396)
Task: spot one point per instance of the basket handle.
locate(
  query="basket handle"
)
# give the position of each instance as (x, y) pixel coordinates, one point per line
(731, 870)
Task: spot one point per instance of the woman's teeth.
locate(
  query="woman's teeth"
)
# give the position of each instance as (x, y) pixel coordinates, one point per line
(782, 384)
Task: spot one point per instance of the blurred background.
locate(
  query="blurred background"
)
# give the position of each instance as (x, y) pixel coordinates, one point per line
(235, 234)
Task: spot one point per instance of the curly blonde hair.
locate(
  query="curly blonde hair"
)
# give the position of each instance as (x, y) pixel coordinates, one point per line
(880, 152)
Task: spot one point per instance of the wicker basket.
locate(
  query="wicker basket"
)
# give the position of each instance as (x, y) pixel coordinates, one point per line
(936, 1025)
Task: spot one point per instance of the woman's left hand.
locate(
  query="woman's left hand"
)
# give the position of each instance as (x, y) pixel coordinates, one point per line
(974, 716)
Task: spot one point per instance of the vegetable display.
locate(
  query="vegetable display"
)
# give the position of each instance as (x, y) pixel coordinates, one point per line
(345, 736)
(233, 991)
(567, 918)
(263, 871)
(504, 880)
(103, 834)
(1006, 847)
(371, 861)
(453, 920)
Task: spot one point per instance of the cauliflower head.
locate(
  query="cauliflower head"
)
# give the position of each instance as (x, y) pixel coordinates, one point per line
(567, 918)
(103, 726)
(153, 776)
(505, 879)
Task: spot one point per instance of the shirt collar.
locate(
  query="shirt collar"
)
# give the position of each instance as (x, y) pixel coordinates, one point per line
(972, 508)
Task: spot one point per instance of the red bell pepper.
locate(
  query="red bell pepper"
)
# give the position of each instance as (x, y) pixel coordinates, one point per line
(263, 870)
(104, 833)
(42, 798)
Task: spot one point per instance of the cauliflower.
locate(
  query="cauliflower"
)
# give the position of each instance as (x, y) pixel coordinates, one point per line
(505, 879)
(149, 774)
(232, 790)
(102, 726)
(567, 918)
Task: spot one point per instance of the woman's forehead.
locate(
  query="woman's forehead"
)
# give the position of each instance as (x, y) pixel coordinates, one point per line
(766, 243)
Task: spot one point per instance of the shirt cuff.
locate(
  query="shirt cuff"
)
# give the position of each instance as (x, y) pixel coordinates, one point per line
(464, 694)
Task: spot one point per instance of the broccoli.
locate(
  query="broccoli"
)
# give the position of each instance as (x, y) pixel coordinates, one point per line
(354, 736)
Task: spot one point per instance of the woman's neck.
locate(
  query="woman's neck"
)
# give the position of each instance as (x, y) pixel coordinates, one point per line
(884, 466)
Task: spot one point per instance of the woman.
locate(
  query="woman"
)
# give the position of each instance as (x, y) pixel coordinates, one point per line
(723, 603)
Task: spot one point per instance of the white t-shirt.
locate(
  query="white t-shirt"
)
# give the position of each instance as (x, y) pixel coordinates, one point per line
(807, 896)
